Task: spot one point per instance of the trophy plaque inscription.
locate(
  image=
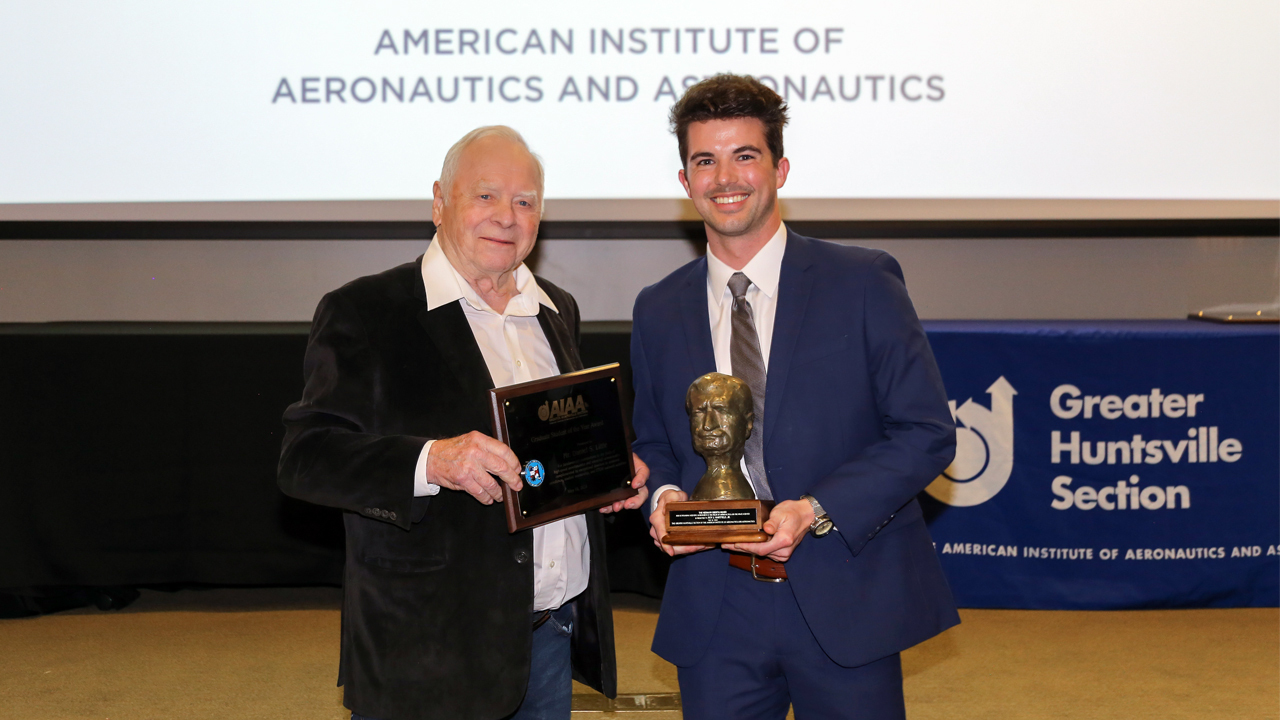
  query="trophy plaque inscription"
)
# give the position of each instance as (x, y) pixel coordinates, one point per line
(723, 507)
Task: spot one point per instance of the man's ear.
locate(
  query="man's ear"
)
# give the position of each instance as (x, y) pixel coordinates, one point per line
(437, 203)
(784, 167)
(685, 182)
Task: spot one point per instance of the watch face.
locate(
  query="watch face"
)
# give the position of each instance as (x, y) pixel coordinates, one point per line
(822, 528)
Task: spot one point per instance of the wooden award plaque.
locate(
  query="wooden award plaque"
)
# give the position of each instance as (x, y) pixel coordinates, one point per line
(570, 435)
(710, 522)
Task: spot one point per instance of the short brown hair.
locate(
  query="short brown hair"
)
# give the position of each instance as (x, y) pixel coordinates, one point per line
(726, 96)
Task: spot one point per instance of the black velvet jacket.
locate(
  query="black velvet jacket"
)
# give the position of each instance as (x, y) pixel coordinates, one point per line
(437, 594)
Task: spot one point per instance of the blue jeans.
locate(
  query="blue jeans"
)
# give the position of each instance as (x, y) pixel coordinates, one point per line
(550, 692)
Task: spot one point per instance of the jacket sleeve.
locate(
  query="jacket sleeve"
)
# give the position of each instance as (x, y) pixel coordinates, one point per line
(331, 454)
(651, 444)
(864, 494)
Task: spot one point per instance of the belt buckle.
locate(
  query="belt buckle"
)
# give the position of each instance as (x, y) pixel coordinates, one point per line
(763, 579)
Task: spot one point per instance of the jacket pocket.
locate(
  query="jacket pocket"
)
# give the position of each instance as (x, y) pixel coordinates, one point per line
(405, 565)
(388, 547)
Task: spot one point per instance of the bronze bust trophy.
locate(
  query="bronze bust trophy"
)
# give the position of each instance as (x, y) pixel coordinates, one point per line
(723, 507)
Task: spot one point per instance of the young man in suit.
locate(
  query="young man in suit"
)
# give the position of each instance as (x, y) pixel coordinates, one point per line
(851, 422)
(445, 614)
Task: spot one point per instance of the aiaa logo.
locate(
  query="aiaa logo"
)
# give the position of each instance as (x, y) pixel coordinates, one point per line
(563, 409)
(984, 450)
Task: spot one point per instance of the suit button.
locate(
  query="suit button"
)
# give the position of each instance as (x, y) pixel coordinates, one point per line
(368, 511)
(522, 556)
(392, 515)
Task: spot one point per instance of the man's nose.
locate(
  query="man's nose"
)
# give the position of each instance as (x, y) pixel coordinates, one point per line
(503, 215)
(726, 174)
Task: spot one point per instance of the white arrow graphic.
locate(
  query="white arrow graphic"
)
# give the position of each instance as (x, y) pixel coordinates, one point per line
(984, 450)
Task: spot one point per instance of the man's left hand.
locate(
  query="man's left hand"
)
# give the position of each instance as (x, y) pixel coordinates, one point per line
(637, 482)
(788, 523)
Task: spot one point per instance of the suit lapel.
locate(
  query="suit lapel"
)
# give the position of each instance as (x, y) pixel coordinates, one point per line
(449, 331)
(697, 321)
(794, 285)
(559, 338)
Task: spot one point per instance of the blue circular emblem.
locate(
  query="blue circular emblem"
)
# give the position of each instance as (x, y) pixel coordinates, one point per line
(534, 473)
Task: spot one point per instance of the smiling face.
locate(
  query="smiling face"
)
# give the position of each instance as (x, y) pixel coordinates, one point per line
(732, 180)
(720, 415)
(489, 219)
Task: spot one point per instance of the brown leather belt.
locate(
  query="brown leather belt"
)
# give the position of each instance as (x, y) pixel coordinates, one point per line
(761, 568)
(540, 619)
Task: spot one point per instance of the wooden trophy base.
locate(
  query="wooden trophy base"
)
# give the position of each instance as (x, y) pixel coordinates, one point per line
(710, 522)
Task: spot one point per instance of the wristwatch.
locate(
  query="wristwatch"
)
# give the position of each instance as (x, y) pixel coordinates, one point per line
(821, 524)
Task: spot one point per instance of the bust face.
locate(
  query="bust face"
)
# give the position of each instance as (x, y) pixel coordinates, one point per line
(720, 416)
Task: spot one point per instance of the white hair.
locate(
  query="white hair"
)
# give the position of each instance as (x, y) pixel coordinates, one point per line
(454, 156)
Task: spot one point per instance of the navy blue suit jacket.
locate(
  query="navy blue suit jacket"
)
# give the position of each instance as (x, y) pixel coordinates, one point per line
(855, 415)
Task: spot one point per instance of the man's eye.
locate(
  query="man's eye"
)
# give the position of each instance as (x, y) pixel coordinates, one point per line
(704, 161)
(485, 196)
(525, 203)
(747, 157)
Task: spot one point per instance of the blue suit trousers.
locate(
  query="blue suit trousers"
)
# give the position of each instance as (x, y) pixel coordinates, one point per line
(763, 657)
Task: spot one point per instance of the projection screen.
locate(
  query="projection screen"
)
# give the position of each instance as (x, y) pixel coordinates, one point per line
(141, 101)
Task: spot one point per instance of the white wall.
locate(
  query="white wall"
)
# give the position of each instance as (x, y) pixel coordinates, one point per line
(281, 281)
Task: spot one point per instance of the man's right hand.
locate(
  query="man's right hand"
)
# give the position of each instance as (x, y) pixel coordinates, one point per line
(470, 462)
(658, 525)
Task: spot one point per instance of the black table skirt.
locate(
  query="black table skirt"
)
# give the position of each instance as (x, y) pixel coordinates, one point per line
(149, 459)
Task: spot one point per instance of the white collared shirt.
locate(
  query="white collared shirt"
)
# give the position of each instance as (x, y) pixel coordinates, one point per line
(515, 350)
(765, 272)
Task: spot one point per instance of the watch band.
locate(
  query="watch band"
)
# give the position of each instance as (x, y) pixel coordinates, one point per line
(821, 524)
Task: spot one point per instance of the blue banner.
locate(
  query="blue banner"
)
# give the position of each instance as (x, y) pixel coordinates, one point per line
(1105, 465)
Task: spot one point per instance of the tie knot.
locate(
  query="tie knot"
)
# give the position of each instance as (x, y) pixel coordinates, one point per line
(738, 284)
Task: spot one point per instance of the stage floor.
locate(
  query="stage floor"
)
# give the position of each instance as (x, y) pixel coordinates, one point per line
(272, 653)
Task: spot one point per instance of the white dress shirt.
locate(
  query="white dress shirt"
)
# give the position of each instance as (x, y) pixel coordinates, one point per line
(515, 350)
(764, 271)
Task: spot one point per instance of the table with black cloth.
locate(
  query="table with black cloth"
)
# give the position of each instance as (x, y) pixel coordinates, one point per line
(145, 456)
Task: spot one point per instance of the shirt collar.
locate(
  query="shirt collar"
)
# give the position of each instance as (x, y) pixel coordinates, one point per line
(444, 285)
(763, 270)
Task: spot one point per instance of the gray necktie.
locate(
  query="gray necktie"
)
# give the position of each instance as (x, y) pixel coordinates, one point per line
(748, 365)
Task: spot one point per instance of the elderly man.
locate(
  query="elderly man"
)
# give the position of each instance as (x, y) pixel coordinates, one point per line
(445, 614)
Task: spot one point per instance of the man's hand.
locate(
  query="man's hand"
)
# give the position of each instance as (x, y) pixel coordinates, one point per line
(788, 523)
(637, 501)
(658, 525)
(469, 463)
